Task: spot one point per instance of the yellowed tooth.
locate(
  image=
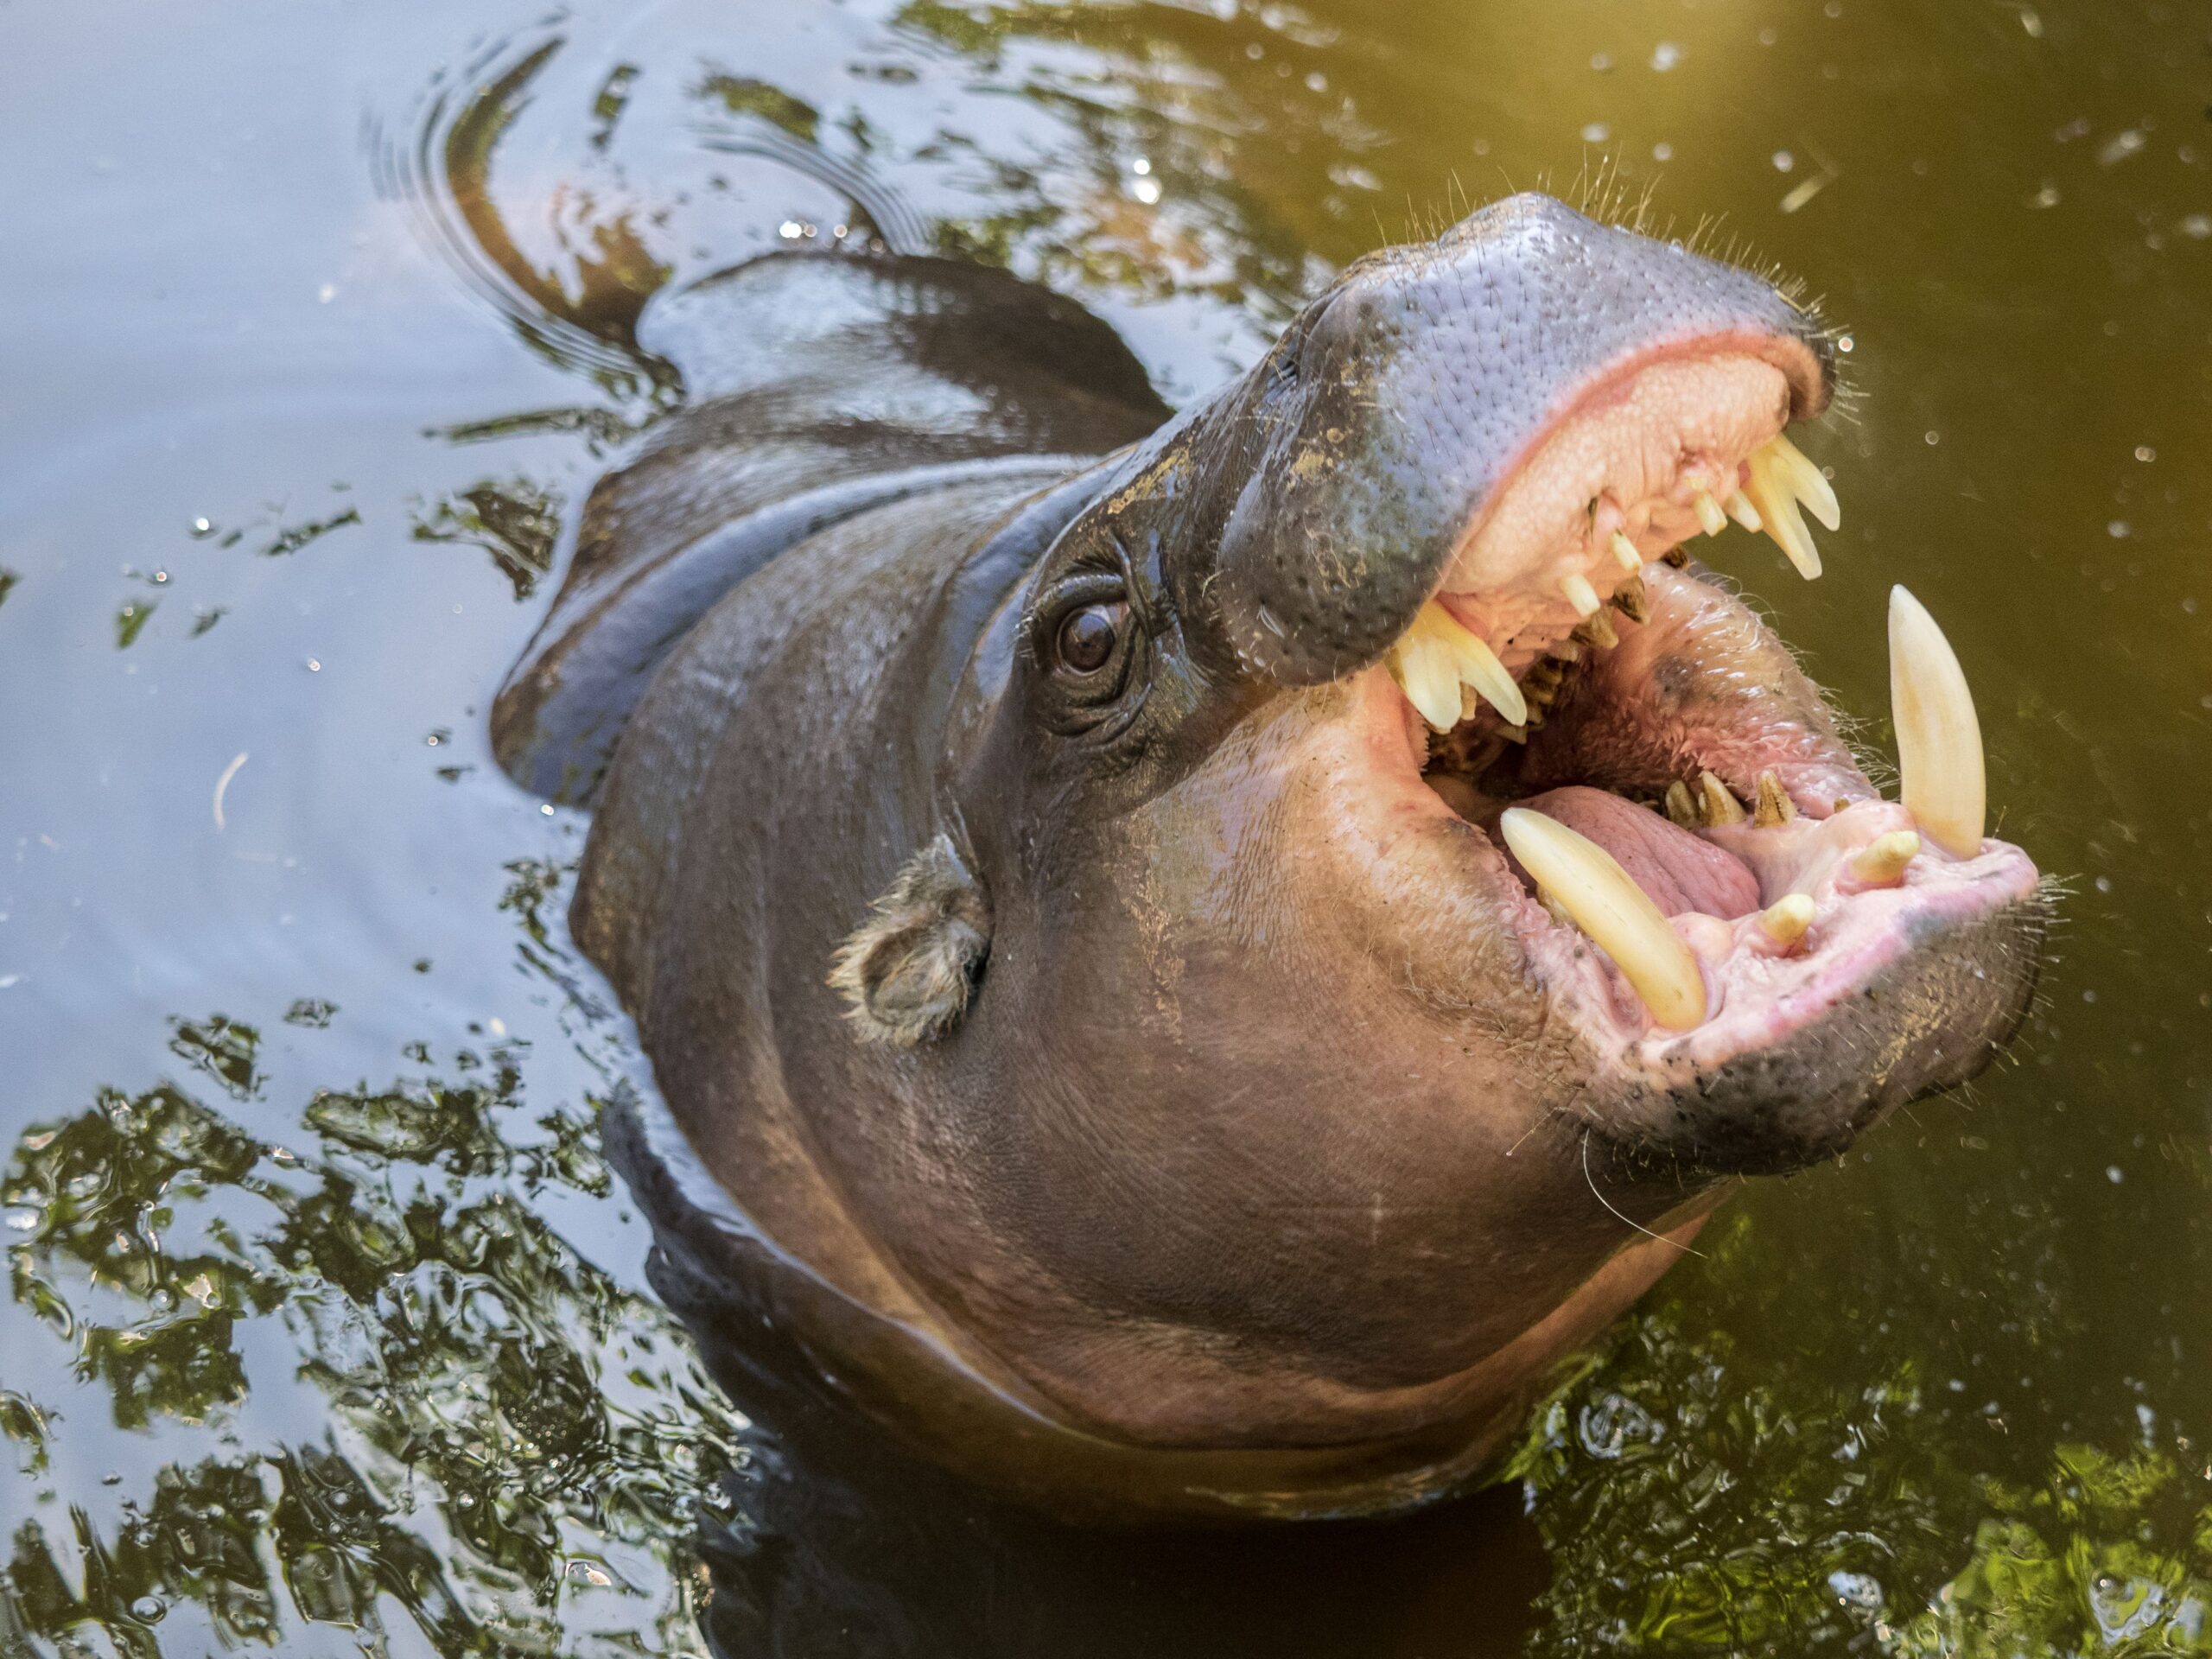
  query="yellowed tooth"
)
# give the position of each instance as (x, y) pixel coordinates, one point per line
(1785, 920)
(1774, 805)
(1806, 482)
(1624, 552)
(1599, 630)
(1777, 506)
(1881, 862)
(1943, 784)
(1631, 602)
(1681, 808)
(1721, 804)
(1583, 879)
(1741, 509)
(1709, 513)
(1579, 594)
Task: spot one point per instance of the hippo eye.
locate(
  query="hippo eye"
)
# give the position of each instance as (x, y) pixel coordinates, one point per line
(1087, 638)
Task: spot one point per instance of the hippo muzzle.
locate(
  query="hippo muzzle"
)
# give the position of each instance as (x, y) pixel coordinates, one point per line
(1239, 948)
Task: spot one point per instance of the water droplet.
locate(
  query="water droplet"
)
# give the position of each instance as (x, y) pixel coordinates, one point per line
(1663, 151)
(2145, 452)
(1596, 133)
(1784, 161)
(1665, 56)
(147, 1610)
(2119, 147)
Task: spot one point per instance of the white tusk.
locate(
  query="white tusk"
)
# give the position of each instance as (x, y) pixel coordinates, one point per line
(1709, 513)
(1583, 879)
(1439, 654)
(1625, 553)
(1806, 482)
(1579, 594)
(1777, 506)
(1944, 783)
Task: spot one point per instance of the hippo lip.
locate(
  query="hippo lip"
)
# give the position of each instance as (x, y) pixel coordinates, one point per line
(1756, 833)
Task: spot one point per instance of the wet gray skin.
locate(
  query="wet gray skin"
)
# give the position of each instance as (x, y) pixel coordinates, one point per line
(1128, 1076)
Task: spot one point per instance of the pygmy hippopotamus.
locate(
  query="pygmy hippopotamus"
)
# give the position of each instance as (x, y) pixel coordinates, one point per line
(1208, 949)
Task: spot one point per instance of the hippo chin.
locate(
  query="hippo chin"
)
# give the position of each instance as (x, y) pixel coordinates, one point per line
(1209, 951)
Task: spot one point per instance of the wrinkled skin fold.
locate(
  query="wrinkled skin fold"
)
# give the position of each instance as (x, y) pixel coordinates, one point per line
(1094, 1003)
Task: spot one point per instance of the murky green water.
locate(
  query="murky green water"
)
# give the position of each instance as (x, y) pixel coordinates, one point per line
(326, 1330)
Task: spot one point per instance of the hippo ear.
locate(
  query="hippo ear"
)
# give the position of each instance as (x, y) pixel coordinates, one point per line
(910, 969)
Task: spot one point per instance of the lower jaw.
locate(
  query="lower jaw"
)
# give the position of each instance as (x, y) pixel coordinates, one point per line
(1762, 995)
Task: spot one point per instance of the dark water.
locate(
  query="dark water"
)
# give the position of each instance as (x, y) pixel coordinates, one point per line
(326, 1328)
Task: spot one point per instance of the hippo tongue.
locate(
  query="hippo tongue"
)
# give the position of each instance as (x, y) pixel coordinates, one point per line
(1680, 872)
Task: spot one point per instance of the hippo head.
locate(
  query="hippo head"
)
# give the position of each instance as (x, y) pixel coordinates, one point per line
(1274, 1100)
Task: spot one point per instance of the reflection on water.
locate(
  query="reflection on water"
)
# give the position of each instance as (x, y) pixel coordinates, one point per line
(492, 1435)
(328, 1332)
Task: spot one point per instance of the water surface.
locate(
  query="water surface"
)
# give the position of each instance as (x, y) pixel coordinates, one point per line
(326, 1329)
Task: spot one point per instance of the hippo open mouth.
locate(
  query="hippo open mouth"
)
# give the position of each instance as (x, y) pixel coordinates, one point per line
(1695, 864)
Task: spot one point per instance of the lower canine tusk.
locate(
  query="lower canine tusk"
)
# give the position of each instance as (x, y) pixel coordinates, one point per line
(1944, 783)
(1583, 879)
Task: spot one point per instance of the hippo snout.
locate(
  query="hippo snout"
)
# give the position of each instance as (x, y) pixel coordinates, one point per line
(1383, 422)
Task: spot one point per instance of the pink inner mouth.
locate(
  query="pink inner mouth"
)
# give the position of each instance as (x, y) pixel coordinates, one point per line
(1669, 727)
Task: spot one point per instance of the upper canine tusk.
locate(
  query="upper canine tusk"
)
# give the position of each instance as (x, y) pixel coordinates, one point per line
(1709, 513)
(1771, 496)
(1625, 553)
(1584, 879)
(1741, 509)
(1806, 482)
(1438, 655)
(1944, 783)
